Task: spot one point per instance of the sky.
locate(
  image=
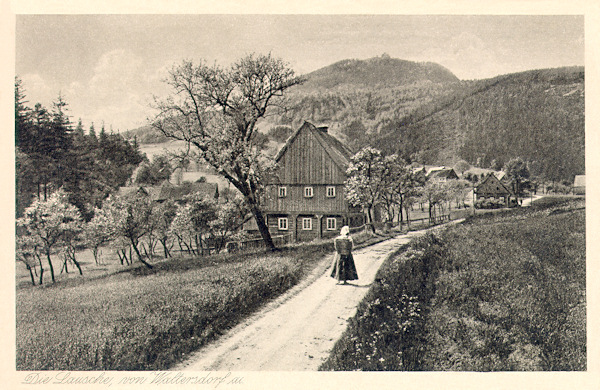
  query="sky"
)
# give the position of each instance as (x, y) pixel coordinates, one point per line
(108, 67)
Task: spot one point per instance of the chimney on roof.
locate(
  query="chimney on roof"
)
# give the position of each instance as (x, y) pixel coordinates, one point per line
(323, 128)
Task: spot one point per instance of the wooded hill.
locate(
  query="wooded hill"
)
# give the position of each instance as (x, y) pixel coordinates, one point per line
(537, 115)
(424, 113)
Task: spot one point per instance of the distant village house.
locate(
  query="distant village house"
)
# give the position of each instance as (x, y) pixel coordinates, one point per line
(491, 188)
(441, 174)
(167, 191)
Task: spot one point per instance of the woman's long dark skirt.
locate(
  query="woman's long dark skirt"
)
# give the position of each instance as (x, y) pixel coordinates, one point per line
(344, 268)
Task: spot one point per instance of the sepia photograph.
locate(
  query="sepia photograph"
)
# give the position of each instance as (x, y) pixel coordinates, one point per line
(202, 197)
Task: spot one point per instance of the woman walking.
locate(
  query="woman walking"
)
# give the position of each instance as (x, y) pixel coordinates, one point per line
(343, 262)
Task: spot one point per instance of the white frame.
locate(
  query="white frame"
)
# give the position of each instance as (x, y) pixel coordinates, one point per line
(308, 192)
(282, 191)
(306, 226)
(282, 223)
(331, 219)
(332, 188)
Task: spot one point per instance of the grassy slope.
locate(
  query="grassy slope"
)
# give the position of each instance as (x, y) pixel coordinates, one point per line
(502, 292)
(142, 319)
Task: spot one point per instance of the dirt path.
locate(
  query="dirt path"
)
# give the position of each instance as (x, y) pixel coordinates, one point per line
(297, 331)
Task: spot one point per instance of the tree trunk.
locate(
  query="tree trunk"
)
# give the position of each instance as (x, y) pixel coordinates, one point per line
(262, 226)
(401, 207)
(95, 254)
(77, 265)
(30, 273)
(165, 249)
(139, 255)
(370, 219)
(51, 266)
(41, 269)
(64, 267)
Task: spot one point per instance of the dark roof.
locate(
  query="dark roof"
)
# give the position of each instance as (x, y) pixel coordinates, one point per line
(338, 152)
(169, 191)
(495, 178)
(442, 172)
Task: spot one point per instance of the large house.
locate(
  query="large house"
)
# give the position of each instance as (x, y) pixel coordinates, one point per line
(306, 198)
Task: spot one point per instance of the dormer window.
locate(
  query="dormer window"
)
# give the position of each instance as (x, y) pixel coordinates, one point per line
(330, 191)
(282, 192)
(308, 192)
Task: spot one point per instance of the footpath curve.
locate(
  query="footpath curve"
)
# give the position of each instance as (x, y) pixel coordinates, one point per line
(297, 331)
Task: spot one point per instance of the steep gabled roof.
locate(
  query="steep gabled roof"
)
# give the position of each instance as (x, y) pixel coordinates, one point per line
(442, 172)
(492, 176)
(169, 191)
(335, 149)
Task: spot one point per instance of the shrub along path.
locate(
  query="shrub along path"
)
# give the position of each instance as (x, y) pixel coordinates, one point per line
(297, 331)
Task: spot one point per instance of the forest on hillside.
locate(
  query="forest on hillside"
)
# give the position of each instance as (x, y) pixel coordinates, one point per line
(433, 118)
(537, 115)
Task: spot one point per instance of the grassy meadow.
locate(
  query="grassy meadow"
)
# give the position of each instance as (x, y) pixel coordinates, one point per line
(501, 292)
(142, 319)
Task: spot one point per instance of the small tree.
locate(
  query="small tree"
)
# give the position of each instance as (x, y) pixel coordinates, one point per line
(433, 193)
(99, 231)
(365, 182)
(163, 216)
(47, 223)
(155, 172)
(27, 254)
(191, 224)
(230, 217)
(130, 218)
(461, 167)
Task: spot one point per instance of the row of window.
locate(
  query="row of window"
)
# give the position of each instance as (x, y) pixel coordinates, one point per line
(308, 192)
(306, 223)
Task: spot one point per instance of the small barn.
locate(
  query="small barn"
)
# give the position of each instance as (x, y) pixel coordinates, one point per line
(579, 185)
(167, 191)
(494, 190)
(441, 174)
